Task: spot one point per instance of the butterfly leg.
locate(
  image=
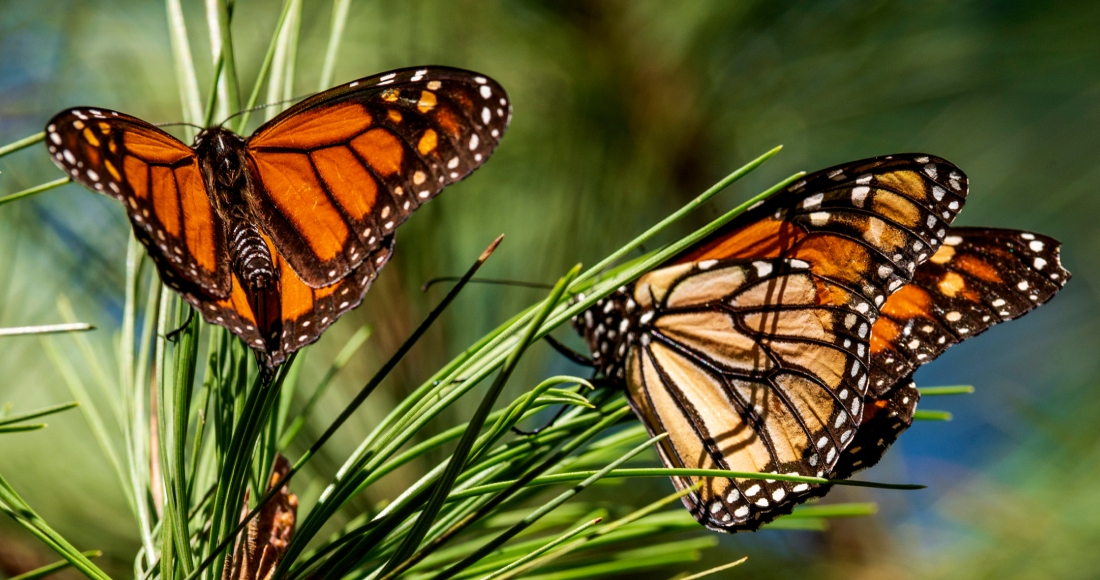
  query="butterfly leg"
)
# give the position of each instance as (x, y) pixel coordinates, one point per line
(568, 352)
(174, 335)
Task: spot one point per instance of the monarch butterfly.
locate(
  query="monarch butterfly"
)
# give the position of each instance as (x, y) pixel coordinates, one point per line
(756, 349)
(275, 236)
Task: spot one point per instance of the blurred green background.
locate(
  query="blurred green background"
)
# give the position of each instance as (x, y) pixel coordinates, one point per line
(624, 110)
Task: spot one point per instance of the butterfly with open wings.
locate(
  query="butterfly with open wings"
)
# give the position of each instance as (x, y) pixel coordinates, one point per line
(785, 342)
(276, 235)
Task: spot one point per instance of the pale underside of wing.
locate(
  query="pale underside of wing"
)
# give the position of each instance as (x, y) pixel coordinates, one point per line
(756, 367)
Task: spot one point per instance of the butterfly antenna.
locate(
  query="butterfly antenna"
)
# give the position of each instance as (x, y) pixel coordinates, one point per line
(181, 124)
(519, 283)
(263, 106)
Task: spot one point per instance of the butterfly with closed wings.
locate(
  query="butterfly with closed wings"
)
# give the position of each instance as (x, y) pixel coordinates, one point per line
(276, 235)
(761, 348)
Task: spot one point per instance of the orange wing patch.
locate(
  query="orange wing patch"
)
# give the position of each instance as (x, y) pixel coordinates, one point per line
(166, 199)
(291, 184)
(381, 150)
(199, 217)
(317, 128)
(354, 188)
(137, 176)
(153, 148)
(428, 142)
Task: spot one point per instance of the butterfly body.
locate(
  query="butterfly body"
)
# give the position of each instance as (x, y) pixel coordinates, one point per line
(276, 235)
(230, 179)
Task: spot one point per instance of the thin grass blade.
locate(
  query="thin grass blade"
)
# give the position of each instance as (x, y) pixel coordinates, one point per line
(340, 10)
(931, 415)
(22, 143)
(712, 571)
(35, 190)
(951, 390)
(53, 568)
(190, 100)
(510, 570)
(8, 420)
(46, 329)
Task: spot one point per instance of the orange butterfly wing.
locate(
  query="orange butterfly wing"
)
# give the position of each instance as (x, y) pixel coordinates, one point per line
(340, 171)
(331, 179)
(979, 278)
(157, 179)
(300, 312)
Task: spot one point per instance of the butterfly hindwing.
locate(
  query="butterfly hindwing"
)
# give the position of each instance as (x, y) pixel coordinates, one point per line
(884, 418)
(306, 312)
(157, 178)
(300, 313)
(340, 171)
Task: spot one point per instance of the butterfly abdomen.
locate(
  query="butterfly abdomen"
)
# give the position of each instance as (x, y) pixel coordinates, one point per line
(250, 254)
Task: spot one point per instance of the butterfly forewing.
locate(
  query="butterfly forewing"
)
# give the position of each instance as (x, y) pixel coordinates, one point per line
(978, 278)
(866, 224)
(157, 178)
(341, 170)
